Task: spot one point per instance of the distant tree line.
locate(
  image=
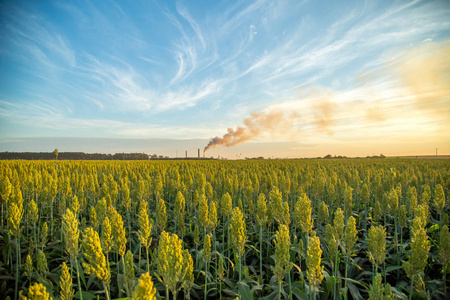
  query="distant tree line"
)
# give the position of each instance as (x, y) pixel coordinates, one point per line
(73, 156)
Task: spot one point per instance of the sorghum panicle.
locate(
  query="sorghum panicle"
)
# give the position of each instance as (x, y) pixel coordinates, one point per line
(71, 234)
(313, 261)
(376, 243)
(65, 283)
(95, 259)
(144, 290)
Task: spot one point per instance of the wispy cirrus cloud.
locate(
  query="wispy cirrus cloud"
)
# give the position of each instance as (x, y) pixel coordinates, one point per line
(140, 64)
(40, 37)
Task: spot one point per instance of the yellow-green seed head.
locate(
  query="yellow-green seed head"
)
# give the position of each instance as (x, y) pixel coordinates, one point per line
(33, 213)
(170, 260)
(426, 195)
(411, 196)
(106, 240)
(350, 236)
(212, 216)
(93, 217)
(439, 198)
(313, 261)
(376, 290)
(220, 269)
(286, 217)
(144, 289)
(71, 234)
(238, 231)
(196, 235)
(118, 232)
(276, 205)
(207, 248)
(44, 234)
(377, 244)
(365, 194)
(261, 210)
(188, 270)
(129, 270)
(402, 216)
(126, 200)
(37, 292)
(5, 189)
(180, 205)
(393, 202)
(323, 216)
(15, 214)
(444, 246)
(101, 209)
(377, 211)
(65, 283)
(95, 259)
(282, 257)
(145, 228)
(203, 211)
(29, 267)
(421, 212)
(75, 205)
(348, 201)
(302, 214)
(42, 266)
(419, 249)
(161, 215)
(226, 205)
(332, 243)
(338, 224)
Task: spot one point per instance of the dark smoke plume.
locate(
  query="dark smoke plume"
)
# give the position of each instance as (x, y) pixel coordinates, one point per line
(275, 123)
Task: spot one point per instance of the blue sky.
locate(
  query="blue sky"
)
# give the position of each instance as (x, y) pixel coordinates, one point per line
(338, 73)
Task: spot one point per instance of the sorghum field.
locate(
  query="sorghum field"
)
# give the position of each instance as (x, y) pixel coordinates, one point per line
(270, 229)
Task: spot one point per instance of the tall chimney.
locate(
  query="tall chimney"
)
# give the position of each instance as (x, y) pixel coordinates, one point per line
(186, 153)
(198, 153)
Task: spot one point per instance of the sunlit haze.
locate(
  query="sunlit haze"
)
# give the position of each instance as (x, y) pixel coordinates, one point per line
(236, 78)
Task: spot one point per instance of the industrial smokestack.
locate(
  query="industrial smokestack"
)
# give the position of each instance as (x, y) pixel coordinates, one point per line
(199, 153)
(186, 153)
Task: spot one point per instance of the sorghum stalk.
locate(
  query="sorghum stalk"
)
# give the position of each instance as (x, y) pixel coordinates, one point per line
(71, 234)
(419, 248)
(29, 267)
(261, 219)
(338, 227)
(349, 242)
(32, 217)
(206, 258)
(444, 253)
(238, 235)
(170, 261)
(282, 258)
(203, 213)
(94, 257)
(188, 269)
(332, 246)
(15, 214)
(128, 272)
(313, 261)
(376, 243)
(145, 229)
